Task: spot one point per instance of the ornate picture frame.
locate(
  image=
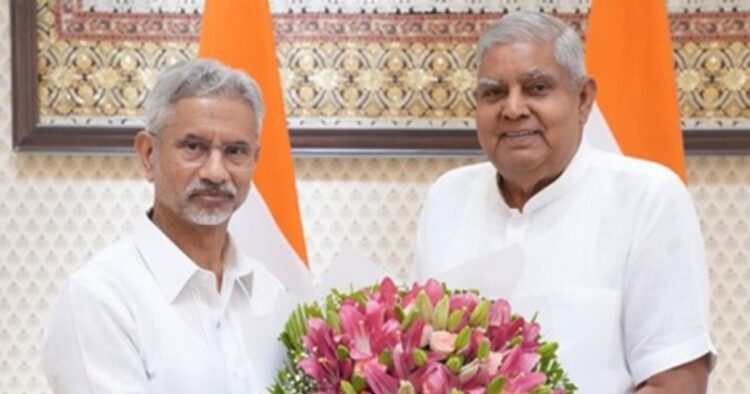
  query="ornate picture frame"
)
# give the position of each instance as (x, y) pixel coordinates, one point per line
(377, 137)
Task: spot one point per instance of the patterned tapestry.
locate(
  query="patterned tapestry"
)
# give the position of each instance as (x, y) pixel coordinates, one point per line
(348, 64)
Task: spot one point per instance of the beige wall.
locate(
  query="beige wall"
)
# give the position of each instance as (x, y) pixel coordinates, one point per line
(56, 210)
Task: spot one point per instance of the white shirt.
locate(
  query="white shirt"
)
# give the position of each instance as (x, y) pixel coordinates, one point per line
(613, 262)
(142, 317)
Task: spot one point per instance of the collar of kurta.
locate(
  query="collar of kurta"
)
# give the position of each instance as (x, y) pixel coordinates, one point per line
(173, 269)
(559, 187)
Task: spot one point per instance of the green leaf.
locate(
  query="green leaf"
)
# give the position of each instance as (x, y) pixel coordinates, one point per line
(360, 298)
(342, 352)
(410, 318)
(425, 306)
(291, 379)
(455, 319)
(454, 364)
(440, 314)
(462, 340)
(420, 357)
(480, 315)
(496, 385)
(547, 350)
(484, 349)
(359, 383)
(385, 358)
(332, 318)
(399, 311)
(347, 387)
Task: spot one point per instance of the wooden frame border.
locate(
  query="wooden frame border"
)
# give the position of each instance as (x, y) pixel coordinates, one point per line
(29, 135)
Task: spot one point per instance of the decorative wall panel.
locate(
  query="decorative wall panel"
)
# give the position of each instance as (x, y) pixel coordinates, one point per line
(358, 65)
(402, 6)
(343, 69)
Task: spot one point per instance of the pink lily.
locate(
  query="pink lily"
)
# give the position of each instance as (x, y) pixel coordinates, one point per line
(437, 379)
(368, 332)
(322, 364)
(518, 366)
(433, 289)
(499, 313)
(378, 380)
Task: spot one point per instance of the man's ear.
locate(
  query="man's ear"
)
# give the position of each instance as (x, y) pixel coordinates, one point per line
(586, 96)
(145, 146)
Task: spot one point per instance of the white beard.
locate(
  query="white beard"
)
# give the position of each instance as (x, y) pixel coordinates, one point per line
(208, 217)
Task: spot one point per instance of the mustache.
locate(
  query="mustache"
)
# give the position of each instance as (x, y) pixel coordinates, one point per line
(200, 186)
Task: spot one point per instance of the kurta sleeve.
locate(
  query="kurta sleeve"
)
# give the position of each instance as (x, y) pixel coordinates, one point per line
(88, 346)
(665, 290)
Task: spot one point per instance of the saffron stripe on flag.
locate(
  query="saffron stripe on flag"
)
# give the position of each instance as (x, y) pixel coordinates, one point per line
(629, 53)
(239, 33)
(268, 226)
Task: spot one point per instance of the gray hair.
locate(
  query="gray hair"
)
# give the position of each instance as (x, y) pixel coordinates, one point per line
(529, 26)
(200, 78)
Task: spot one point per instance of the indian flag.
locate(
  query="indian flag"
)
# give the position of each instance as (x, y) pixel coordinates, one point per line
(268, 226)
(629, 53)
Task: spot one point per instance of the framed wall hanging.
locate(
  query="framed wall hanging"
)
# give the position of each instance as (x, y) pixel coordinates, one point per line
(360, 77)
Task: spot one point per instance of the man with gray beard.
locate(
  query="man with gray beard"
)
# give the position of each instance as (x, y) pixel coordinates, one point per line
(175, 307)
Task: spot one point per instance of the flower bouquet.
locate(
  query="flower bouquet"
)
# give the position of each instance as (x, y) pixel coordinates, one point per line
(426, 339)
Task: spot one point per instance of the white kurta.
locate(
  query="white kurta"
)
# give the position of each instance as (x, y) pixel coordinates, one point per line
(141, 317)
(612, 260)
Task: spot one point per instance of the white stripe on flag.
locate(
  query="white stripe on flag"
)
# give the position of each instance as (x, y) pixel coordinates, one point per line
(257, 235)
(597, 132)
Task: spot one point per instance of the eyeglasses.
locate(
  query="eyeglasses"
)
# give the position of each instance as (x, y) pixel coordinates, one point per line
(196, 150)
